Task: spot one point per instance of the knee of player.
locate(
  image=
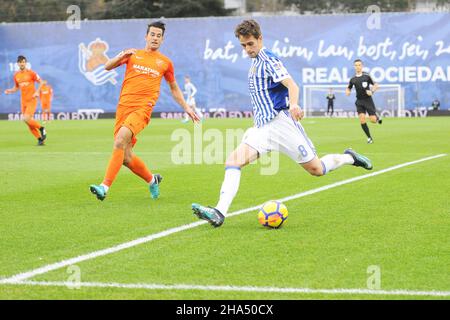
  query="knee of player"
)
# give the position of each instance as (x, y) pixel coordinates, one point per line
(232, 163)
(316, 171)
(120, 143)
(127, 160)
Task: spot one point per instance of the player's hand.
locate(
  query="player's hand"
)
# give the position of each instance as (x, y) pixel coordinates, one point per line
(194, 117)
(8, 91)
(369, 93)
(127, 53)
(347, 92)
(35, 95)
(296, 112)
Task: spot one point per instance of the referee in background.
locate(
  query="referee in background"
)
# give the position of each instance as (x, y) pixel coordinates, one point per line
(365, 87)
(330, 98)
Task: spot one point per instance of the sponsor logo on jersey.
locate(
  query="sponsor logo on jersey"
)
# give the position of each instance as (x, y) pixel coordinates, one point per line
(146, 70)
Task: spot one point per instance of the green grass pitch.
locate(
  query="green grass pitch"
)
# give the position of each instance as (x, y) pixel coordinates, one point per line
(398, 221)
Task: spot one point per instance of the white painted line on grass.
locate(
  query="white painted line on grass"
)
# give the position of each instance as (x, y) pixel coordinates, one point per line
(151, 286)
(133, 243)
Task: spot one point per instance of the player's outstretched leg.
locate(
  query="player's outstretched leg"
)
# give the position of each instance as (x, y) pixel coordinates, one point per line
(210, 214)
(154, 186)
(122, 139)
(230, 185)
(359, 159)
(138, 167)
(98, 191)
(240, 157)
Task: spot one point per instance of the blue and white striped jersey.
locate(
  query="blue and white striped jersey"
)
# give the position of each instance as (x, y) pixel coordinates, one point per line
(268, 95)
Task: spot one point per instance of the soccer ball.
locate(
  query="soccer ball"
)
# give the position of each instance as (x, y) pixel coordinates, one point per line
(272, 214)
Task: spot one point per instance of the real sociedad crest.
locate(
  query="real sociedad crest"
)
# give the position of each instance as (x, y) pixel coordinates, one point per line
(91, 62)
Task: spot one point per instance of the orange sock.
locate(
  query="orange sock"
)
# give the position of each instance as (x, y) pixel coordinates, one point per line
(34, 131)
(138, 167)
(114, 165)
(33, 123)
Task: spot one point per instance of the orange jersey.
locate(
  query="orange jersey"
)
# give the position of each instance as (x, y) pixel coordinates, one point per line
(142, 82)
(46, 94)
(25, 81)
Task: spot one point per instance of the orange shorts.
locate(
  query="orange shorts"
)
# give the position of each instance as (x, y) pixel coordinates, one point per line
(134, 118)
(45, 106)
(29, 107)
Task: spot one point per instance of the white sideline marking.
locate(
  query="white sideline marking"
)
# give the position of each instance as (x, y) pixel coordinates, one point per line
(151, 286)
(133, 243)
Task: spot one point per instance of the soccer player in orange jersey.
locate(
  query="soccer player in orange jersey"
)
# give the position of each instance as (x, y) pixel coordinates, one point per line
(46, 95)
(24, 80)
(145, 69)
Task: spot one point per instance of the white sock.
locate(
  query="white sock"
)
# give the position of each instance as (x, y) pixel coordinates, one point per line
(229, 188)
(331, 162)
(105, 187)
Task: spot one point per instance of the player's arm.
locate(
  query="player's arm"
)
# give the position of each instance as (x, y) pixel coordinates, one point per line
(294, 91)
(348, 90)
(178, 96)
(279, 74)
(374, 85)
(120, 59)
(373, 88)
(12, 90)
(37, 93)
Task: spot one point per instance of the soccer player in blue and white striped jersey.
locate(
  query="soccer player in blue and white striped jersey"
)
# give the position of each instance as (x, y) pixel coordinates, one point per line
(190, 90)
(274, 95)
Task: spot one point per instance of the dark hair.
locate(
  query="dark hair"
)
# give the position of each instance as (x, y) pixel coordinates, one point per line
(357, 60)
(248, 28)
(21, 58)
(157, 24)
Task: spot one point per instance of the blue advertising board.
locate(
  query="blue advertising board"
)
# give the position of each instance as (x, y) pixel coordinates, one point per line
(409, 49)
